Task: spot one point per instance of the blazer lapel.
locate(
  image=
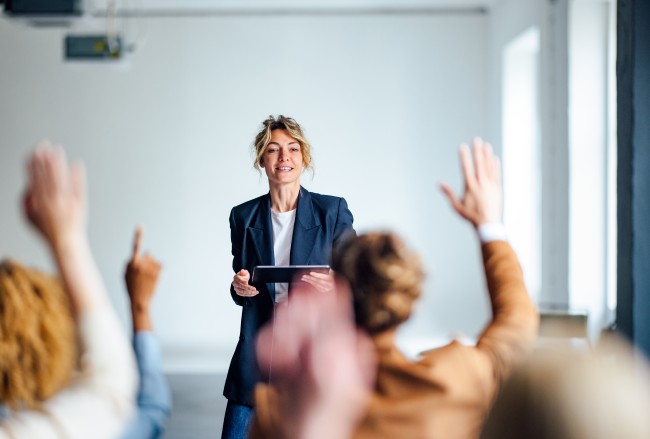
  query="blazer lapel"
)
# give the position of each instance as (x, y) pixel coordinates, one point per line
(305, 230)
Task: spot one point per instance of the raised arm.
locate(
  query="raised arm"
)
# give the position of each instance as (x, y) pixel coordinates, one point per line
(154, 396)
(55, 204)
(100, 399)
(141, 277)
(513, 328)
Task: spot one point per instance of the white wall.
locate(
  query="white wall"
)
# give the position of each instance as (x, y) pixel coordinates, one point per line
(165, 137)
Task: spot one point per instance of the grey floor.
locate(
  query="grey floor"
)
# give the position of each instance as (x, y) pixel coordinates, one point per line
(198, 406)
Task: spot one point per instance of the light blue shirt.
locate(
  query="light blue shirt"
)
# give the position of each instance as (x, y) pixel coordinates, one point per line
(154, 396)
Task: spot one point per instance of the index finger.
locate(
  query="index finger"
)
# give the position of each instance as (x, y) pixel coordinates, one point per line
(136, 243)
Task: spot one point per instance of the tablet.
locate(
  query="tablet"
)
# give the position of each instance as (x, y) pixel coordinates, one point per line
(284, 273)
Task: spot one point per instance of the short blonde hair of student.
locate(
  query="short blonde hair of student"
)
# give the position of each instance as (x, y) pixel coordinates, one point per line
(38, 342)
(289, 125)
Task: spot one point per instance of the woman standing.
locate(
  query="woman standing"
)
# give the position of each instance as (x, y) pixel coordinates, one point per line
(287, 226)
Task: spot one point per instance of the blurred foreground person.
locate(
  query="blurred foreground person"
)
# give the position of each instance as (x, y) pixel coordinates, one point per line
(39, 317)
(575, 395)
(448, 391)
(322, 367)
(154, 401)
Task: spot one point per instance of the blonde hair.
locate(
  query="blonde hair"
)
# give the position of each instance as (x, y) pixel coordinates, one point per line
(290, 126)
(385, 278)
(38, 344)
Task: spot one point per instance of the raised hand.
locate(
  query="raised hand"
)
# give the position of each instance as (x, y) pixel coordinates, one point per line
(240, 284)
(55, 199)
(482, 201)
(141, 277)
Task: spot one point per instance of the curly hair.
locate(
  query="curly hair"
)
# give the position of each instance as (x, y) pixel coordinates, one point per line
(38, 342)
(290, 126)
(385, 278)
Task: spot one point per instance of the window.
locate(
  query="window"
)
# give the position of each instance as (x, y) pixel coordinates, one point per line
(521, 154)
(592, 152)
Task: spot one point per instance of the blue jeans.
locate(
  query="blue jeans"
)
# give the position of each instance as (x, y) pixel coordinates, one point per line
(237, 421)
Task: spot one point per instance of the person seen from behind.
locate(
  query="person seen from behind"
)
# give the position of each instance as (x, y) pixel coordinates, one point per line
(54, 387)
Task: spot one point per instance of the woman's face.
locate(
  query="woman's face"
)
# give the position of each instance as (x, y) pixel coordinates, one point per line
(282, 160)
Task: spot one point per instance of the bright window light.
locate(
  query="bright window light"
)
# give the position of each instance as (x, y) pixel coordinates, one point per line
(521, 154)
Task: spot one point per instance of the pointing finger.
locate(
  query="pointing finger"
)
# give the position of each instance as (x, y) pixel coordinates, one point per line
(136, 243)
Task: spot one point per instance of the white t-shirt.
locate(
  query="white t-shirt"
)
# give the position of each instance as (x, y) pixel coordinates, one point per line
(283, 223)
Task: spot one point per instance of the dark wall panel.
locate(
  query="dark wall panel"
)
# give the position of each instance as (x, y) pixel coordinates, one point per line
(633, 71)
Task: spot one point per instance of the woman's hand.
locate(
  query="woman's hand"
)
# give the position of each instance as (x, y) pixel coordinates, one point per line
(55, 199)
(321, 281)
(141, 277)
(240, 284)
(481, 203)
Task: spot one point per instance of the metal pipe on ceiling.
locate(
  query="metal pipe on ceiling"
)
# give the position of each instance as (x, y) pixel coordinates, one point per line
(291, 12)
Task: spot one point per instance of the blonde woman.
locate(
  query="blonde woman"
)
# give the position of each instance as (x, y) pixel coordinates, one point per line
(287, 226)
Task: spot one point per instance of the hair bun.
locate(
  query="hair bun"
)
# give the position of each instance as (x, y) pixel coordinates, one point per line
(385, 278)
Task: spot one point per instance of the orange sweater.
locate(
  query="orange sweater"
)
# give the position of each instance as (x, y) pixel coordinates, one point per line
(446, 394)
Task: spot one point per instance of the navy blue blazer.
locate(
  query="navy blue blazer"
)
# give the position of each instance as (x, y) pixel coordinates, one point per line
(321, 220)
